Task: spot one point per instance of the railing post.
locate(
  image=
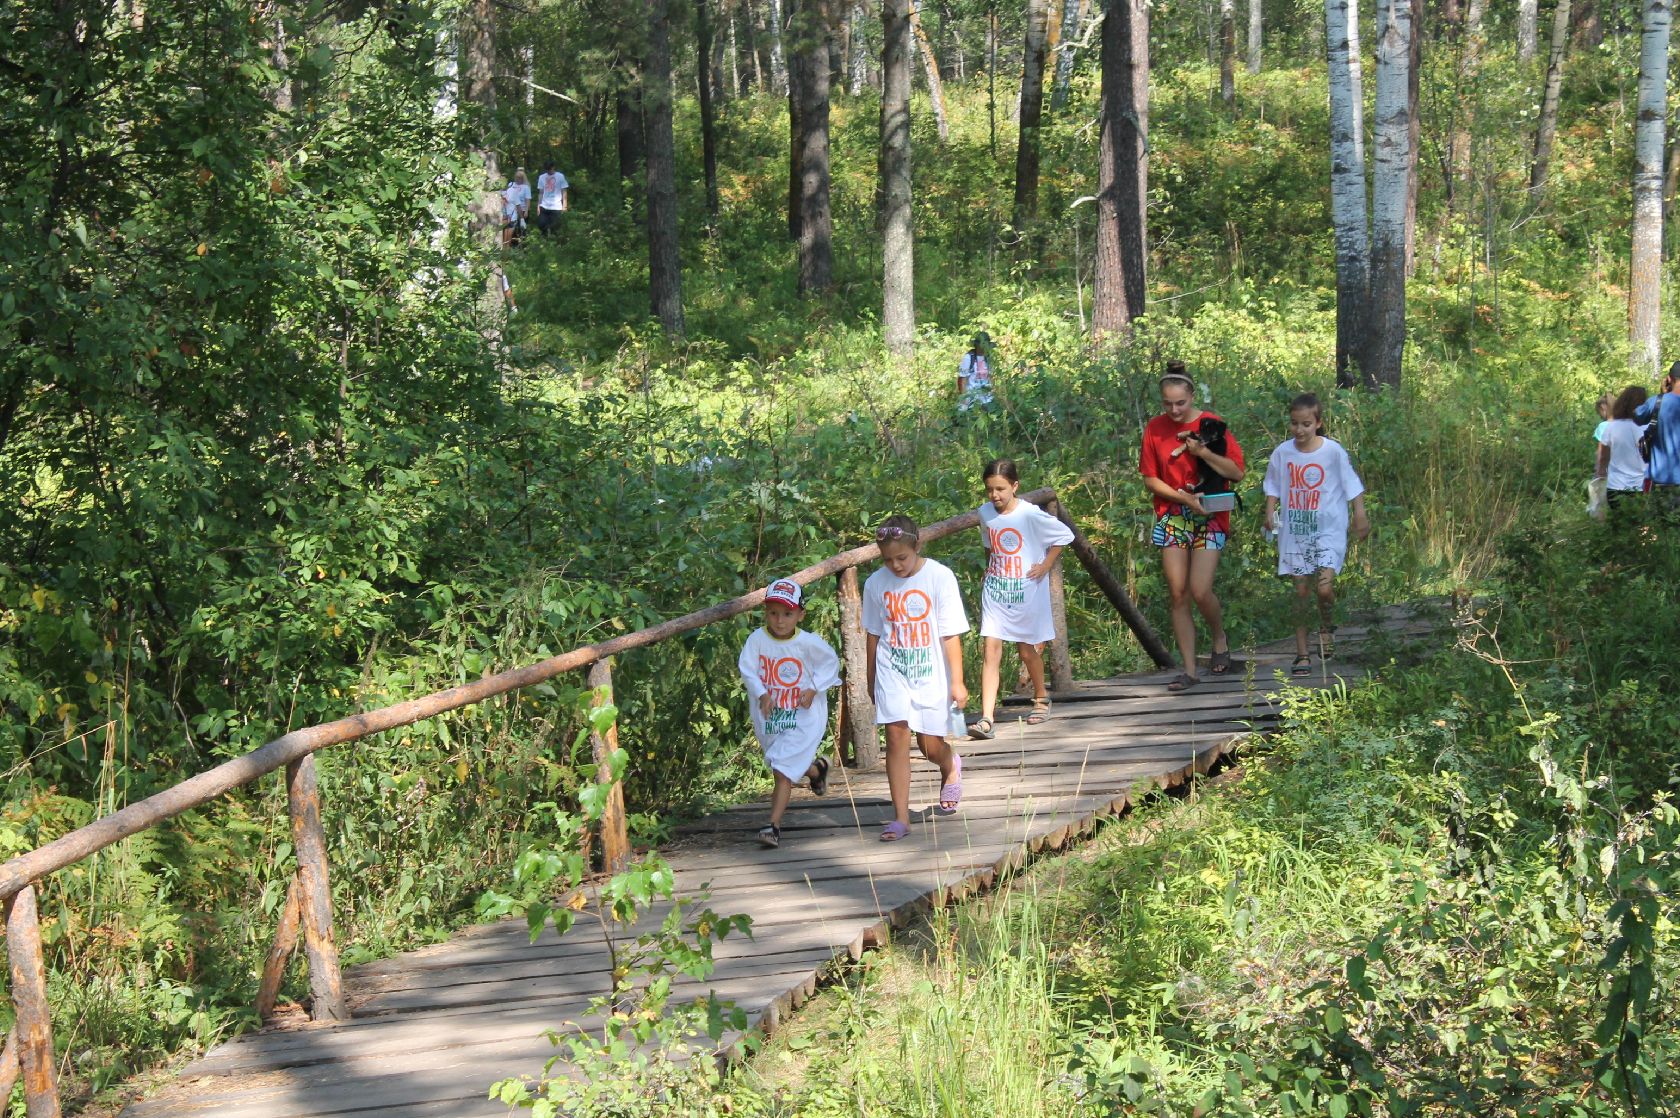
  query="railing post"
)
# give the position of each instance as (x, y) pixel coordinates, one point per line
(1116, 594)
(854, 675)
(29, 998)
(615, 833)
(326, 988)
(285, 941)
(8, 1068)
(1061, 660)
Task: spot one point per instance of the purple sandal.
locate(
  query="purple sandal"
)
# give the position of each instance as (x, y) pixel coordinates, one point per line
(892, 830)
(951, 793)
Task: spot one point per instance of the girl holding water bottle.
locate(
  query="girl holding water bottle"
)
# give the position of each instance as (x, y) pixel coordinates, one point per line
(913, 615)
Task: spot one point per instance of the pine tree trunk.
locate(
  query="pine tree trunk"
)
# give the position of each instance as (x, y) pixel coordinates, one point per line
(816, 230)
(627, 109)
(708, 122)
(664, 264)
(1032, 109)
(721, 85)
(1589, 29)
(478, 90)
(796, 62)
(778, 60)
(1528, 29)
(1255, 32)
(1546, 130)
(898, 299)
(1064, 54)
(930, 68)
(1645, 272)
(1228, 54)
(1392, 133)
(1347, 189)
(1118, 284)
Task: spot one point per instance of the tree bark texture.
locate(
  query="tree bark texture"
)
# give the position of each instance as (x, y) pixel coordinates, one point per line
(1528, 29)
(1645, 271)
(796, 63)
(627, 111)
(1545, 131)
(898, 298)
(1589, 28)
(1032, 111)
(303, 799)
(1256, 32)
(1122, 177)
(816, 221)
(1065, 51)
(857, 70)
(1347, 189)
(33, 1028)
(778, 62)
(1414, 123)
(664, 264)
(478, 89)
(1392, 133)
(930, 68)
(708, 117)
(1228, 54)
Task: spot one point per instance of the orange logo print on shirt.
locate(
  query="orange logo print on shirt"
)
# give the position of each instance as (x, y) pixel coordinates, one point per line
(781, 677)
(1306, 486)
(1006, 572)
(909, 633)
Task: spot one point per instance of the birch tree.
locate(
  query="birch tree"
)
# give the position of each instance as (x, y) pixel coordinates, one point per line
(1392, 134)
(1645, 271)
(778, 61)
(1528, 29)
(1255, 31)
(1122, 171)
(1032, 110)
(1065, 51)
(930, 69)
(1228, 54)
(1546, 129)
(857, 69)
(898, 300)
(1347, 186)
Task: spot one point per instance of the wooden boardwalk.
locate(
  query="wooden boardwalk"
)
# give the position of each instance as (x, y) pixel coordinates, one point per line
(433, 1028)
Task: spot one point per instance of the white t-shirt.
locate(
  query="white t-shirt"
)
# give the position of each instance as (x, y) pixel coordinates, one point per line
(911, 616)
(1014, 607)
(791, 735)
(552, 185)
(1627, 468)
(1313, 490)
(517, 194)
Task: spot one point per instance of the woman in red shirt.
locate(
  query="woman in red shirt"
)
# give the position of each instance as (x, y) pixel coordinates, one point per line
(1190, 537)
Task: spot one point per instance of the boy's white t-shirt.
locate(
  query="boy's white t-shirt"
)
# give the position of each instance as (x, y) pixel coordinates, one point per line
(517, 194)
(551, 185)
(791, 735)
(911, 616)
(1627, 468)
(1313, 490)
(1014, 607)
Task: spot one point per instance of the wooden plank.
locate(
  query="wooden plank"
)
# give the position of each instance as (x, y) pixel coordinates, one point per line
(33, 1029)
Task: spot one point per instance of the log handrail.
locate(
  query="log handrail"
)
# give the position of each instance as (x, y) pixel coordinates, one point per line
(308, 900)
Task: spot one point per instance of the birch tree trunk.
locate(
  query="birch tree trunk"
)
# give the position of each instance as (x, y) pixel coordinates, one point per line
(930, 67)
(898, 300)
(1064, 54)
(1228, 54)
(1528, 29)
(857, 70)
(778, 61)
(1255, 31)
(664, 264)
(1122, 174)
(816, 221)
(1032, 109)
(1392, 134)
(1347, 189)
(1645, 272)
(1546, 130)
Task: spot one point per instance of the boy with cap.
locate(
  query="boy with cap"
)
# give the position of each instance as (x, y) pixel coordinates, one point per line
(787, 672)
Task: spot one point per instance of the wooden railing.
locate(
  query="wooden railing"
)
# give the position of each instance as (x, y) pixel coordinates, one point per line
(28, 1050)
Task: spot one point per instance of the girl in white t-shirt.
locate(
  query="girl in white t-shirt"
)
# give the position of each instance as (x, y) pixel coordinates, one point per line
(1022, 545)
(913, 613)
(1619, 462)
(1313, 484)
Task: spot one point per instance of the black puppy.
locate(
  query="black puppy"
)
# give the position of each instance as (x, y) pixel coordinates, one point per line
(1210, 432)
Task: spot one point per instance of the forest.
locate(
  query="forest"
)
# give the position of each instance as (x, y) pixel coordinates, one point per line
(291, 429)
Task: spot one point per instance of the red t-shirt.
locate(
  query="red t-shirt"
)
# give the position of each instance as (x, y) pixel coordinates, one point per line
(1160, 439)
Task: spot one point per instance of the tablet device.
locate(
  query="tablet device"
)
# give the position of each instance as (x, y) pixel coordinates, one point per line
(1219, 502)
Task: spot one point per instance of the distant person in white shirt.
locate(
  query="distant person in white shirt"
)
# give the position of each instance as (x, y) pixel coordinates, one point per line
(552, 190)
(516, 207)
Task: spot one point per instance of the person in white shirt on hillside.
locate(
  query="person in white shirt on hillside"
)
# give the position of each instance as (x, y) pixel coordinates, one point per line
(974, 375)
(1312, 482)
(1619, 462)
(913, 613)
(552, 192)
(788, 672)
(516, 206)
(1022, 545)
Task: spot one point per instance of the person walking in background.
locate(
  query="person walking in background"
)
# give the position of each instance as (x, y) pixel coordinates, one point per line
(1022, 545)
(1619, 460)
(516, 205)
(1663, 413)
(1604, 404)
(552, 193)
(974, 375)
(1186, 453)
(1312, 482)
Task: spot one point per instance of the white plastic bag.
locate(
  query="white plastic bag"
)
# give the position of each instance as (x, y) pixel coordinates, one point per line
(1597, 498)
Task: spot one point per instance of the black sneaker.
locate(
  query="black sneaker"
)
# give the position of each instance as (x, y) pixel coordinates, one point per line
(770, 836)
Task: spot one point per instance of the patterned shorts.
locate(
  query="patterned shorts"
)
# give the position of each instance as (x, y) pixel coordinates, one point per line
(1183, 528)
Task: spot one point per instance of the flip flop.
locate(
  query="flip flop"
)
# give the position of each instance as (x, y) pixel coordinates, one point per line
(1183, 682)
(770, 836)
(1040, 712)
(1301, 666)
(982, 729)
(951, 793)
(1220, 662)
(819, 782)
(893, 830)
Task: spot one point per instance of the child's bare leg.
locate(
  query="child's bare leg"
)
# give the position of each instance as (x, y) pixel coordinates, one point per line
(1034, 661)
(898, 769)
(1303, 610)
(991, 674)
(779, 799)
(1326, 602)
(939, 751)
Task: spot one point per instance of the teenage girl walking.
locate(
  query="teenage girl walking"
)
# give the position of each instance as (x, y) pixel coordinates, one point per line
(1312, 482)
(1022, 544)
(913, 613)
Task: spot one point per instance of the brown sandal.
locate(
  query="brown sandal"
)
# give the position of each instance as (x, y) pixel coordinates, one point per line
(1184, 682)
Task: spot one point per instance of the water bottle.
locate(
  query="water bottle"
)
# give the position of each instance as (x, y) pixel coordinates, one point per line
(959, 723)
